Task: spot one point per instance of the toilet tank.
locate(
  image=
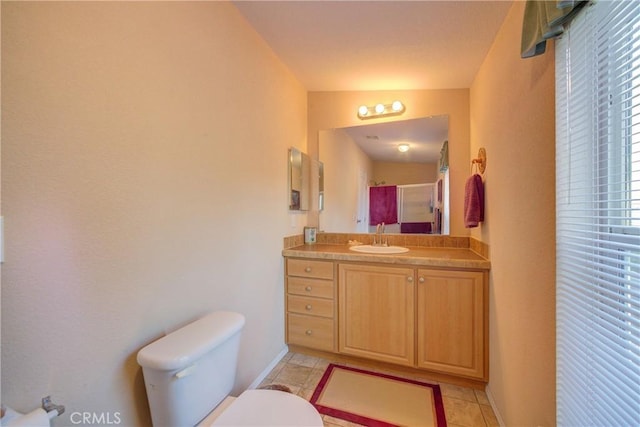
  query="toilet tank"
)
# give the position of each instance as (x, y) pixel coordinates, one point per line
(188, 372)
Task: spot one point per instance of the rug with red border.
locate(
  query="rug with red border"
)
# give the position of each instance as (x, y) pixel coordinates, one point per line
(378, 400)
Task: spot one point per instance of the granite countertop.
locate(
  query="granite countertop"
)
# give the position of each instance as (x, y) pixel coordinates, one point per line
(417, 255)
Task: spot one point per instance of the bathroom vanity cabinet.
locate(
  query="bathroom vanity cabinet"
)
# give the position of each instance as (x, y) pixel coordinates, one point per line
(429, 318)
(310, 304)
(415, 315)
(452, 322)
(376, 316)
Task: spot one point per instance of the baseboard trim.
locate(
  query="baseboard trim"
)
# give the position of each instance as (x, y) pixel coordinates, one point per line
(269, 368)
(494, 407)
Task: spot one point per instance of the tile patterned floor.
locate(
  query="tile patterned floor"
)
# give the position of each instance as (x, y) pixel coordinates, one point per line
(464, 407)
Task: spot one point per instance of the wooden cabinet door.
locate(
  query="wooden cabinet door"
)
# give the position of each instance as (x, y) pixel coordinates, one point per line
(376, 312)
(451, 325)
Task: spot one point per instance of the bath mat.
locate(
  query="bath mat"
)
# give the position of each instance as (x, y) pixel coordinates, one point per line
(378, 400)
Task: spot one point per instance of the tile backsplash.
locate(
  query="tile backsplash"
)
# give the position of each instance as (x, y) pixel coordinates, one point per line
(293, 241)
(425, 240)
(479, 247)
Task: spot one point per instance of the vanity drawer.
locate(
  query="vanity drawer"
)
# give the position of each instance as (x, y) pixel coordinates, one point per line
(310, 268)
(310, 287)
(310, 331)
(311, 306)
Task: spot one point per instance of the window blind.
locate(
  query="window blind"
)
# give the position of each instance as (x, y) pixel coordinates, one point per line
(598, 217)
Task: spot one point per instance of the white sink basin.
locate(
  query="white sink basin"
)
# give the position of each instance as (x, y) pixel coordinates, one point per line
(370, 249)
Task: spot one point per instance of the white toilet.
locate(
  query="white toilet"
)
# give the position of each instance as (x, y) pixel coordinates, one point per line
(190, 372)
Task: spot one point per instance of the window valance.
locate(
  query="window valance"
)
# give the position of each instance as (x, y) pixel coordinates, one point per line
(544, 20)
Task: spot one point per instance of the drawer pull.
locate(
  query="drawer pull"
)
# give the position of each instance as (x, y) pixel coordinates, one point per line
(308, 307)
(421, 279)
(307, 269)
(308, 289)
(308, 332)
(410, 279)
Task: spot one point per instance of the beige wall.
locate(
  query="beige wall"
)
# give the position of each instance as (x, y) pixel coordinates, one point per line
(340, 153)
(512, 116)
(137, 137)
(393, 173)
(144, 183)
(329, 110)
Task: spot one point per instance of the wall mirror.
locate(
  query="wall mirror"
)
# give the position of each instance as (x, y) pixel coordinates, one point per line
(299, 184)
(306, 177)
(369, 180)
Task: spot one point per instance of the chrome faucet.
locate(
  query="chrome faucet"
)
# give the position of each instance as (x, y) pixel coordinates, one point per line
(377, 239)
(381, 234)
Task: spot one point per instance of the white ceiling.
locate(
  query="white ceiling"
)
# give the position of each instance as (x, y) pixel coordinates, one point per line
(378, 45)
(382, 45)
(424, 135)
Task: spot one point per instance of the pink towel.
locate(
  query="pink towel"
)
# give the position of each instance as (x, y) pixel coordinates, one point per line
(415, 227)
(383, 205)
(473, 201)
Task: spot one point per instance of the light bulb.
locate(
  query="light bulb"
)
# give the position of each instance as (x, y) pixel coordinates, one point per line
(363, 110)
(403, 148)
(396, 106)
(379, 108)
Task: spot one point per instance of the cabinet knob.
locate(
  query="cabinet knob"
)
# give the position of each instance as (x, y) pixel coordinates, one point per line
(308, 307)
(421, 279)
(307, 269)
(308, 289)
(410, 279)
(308, 332)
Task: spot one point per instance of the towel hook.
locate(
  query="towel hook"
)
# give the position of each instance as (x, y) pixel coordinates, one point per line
(481, 161)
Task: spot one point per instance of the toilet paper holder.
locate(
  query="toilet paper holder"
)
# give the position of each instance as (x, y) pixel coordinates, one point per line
(38, 417)
(49, 406)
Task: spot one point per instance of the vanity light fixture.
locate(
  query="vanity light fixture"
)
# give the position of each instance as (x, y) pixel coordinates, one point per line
(380, 110)
(403, 148)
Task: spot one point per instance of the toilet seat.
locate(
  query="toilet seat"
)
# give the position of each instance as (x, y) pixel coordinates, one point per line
(269, 408)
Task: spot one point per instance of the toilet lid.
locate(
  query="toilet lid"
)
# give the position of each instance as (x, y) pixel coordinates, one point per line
(269, 408)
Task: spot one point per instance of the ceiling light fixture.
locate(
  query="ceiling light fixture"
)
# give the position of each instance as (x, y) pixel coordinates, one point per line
(380, 110)
(403, 148)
